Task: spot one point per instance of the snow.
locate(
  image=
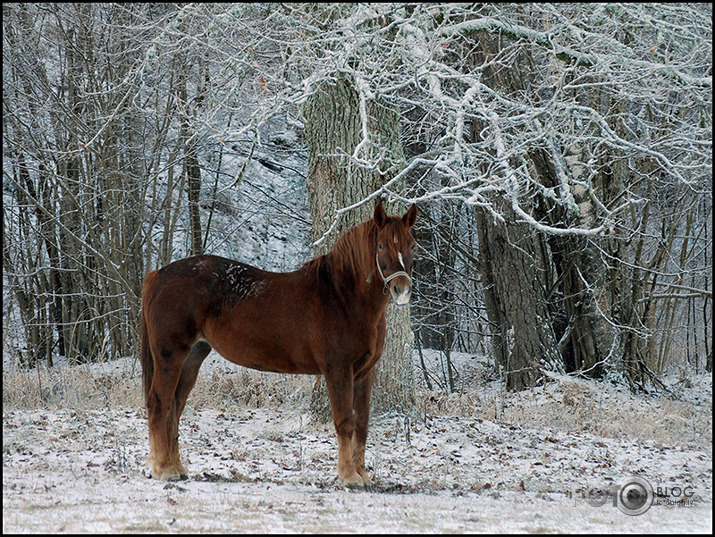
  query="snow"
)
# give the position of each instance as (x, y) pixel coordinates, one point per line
(270, 469)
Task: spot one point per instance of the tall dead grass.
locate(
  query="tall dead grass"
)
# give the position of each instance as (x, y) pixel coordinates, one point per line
(565, 404)
(575, 405)
(78, 387)
(87, 387)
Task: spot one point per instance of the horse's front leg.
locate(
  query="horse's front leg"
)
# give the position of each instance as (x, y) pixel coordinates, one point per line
(340, 391)
(361, 403)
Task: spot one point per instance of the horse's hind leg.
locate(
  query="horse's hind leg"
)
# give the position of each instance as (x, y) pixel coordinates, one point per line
(189, 372)
(187, 380)
(162, 411)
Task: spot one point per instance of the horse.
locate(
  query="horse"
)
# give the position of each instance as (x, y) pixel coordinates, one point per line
(327, 318)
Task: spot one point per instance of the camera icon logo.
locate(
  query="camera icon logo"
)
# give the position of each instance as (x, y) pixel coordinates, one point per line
(635, 496)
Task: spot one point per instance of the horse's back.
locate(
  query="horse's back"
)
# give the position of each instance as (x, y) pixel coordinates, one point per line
(263, 320)
(201, 297)
(177, 299)
(213, 278)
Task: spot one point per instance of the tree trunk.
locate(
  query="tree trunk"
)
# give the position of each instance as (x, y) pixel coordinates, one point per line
(586, 337)
(436, 311)
(514, 298)
(191, 169)
(333, 129)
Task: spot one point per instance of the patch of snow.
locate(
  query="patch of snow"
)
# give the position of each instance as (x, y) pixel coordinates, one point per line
(272, 470)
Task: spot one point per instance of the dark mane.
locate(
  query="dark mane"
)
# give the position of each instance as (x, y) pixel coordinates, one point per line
(352, 255)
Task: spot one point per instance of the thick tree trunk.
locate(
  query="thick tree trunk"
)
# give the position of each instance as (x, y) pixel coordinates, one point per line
(514, 298)
(333, 129)
(586, 339)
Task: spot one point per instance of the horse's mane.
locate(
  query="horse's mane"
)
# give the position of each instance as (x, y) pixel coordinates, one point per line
(350, 254)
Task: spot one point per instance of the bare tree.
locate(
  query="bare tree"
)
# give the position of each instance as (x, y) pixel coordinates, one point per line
(583, 115)
(578, 138)
(67, 135)
(104, 132)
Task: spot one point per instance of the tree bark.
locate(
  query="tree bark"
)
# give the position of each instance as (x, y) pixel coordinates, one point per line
(191, 169)
(514, 298)
(333, 129)
(586, 339)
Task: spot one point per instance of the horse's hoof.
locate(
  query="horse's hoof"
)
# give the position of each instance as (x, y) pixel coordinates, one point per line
(354, 482)
(168, 474)
(365, 478)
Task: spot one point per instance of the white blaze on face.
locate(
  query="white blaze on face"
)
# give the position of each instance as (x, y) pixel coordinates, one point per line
(400, 292)
(403, 297)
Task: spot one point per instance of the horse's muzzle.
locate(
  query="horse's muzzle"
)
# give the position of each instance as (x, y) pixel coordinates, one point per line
(401, 293)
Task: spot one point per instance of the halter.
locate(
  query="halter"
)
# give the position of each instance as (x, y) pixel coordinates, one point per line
(394, 274)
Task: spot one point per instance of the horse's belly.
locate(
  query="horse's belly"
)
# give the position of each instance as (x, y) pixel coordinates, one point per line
(265, 358)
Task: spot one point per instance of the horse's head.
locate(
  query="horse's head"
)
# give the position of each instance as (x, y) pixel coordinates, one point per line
(395, 252)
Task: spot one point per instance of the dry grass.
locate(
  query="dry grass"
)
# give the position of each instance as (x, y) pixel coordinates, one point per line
(575, 405)
(79, 388)
(247, 388)
(85, 387)
(566, 403)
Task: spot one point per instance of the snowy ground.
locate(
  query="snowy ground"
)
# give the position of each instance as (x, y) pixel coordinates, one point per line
(270, 470)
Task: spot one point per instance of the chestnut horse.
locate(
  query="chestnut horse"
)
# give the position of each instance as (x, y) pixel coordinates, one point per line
(328, 317)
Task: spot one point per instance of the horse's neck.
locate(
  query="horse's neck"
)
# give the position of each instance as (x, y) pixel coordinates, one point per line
(352, 265)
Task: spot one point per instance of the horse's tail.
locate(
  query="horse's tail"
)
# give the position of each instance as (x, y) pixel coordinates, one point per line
(145, 356)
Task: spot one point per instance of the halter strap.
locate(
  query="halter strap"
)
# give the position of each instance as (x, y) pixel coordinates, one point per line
(394, 274)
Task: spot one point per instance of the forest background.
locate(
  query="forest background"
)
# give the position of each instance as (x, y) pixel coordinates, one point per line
(560, 156)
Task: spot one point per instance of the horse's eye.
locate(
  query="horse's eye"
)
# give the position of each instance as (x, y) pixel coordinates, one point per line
(381, 247)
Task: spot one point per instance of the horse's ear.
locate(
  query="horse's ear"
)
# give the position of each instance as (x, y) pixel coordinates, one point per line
(380, 215)
(410, 216)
